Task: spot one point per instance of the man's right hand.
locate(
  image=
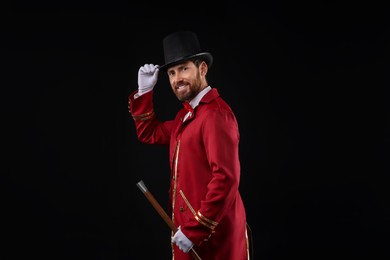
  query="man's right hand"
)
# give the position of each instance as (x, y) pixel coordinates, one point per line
(147, 78)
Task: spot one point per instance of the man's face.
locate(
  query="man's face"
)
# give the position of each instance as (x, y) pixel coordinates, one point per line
(186, 80)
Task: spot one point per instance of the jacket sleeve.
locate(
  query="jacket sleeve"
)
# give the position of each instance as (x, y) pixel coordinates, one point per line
(149, 129)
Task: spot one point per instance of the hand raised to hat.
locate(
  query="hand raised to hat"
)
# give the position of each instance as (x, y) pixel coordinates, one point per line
(147, 78)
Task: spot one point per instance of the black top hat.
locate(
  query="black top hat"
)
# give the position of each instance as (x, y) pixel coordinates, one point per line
(182, 46)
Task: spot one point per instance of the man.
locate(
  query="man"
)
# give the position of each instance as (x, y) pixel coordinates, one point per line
(203, 138)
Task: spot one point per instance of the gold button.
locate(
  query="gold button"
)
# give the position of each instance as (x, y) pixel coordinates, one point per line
(182, 209)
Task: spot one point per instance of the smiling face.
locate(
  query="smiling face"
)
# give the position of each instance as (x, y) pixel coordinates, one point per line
(187, 79)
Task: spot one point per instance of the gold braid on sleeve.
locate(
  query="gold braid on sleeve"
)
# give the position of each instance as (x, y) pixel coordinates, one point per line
(205, 221)
(198, 216)
(143, 117)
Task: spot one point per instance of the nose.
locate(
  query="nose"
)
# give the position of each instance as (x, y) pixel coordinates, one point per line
(175, 78)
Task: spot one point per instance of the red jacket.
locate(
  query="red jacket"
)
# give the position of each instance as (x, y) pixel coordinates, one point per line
(205, 174)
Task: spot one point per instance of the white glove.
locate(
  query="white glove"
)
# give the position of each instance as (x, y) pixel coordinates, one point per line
(147, 78)
(182, 241)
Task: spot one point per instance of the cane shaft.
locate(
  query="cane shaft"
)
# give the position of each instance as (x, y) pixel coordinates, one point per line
(162, 213)
(160, 210)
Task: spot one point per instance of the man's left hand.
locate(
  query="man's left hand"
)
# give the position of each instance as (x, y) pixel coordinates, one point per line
(182, 241)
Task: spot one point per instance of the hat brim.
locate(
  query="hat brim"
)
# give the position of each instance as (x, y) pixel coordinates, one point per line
(203, 55)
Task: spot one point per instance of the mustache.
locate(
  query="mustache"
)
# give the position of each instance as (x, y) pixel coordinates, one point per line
(181, 83)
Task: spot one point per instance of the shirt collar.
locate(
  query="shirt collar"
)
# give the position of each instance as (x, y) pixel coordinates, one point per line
(195, 101)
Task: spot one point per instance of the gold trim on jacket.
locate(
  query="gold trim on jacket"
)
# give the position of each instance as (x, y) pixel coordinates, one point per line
(145, 116)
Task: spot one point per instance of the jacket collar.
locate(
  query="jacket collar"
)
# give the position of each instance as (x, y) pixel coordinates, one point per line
(195, 101)
(210, 95)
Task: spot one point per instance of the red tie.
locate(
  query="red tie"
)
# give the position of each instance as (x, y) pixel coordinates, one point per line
(188, 107)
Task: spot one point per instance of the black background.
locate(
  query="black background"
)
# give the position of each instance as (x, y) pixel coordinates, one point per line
(308, 82)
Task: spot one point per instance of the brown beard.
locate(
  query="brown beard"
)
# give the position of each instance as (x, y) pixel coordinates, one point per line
(190, 95)
(192, 92)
